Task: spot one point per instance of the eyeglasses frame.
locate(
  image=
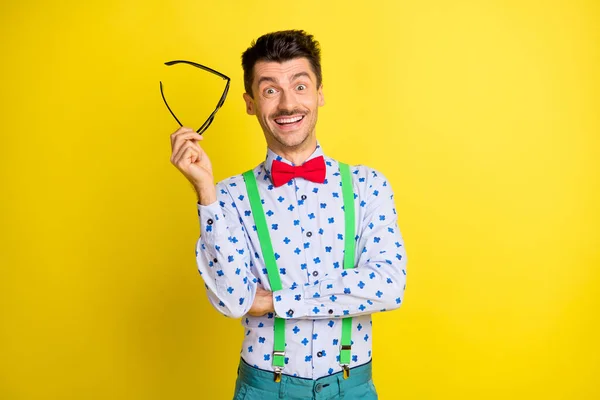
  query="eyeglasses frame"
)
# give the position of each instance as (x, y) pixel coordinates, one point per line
(210, 119)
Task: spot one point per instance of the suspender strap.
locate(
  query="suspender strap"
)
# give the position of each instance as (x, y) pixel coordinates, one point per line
(349, 247)
(270, 263)
(348, 195)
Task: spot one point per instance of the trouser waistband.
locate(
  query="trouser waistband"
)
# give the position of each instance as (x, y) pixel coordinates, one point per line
(326, 386)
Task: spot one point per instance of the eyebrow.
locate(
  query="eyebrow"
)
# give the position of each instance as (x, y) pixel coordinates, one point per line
(300, 74)
(294, 77)
(266, 79)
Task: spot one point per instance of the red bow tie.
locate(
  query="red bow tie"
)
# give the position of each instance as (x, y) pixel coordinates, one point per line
(312, 170)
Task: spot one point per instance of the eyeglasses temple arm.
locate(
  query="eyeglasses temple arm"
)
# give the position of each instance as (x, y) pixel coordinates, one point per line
(169, 63)
(208, 121)
(167, 104)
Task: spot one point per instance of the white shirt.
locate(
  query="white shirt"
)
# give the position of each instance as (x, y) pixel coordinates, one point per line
(306, 224)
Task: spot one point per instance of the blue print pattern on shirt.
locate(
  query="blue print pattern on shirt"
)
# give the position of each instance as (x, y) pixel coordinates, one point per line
(306, 224)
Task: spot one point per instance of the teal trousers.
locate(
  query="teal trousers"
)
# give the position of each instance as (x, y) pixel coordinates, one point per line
(257, 384)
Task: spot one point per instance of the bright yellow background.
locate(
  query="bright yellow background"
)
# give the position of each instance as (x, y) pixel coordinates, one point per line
(483, 115)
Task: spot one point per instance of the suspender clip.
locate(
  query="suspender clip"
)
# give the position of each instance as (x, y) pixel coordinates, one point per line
(346, 369)
(277, 369)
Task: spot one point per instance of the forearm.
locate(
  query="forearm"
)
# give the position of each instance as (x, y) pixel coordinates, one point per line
(229, 283)
(376, 284)
(363, 290)
(223, 260)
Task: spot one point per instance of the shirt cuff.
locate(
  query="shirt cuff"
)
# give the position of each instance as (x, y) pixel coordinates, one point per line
(302, 302)
(212, 220)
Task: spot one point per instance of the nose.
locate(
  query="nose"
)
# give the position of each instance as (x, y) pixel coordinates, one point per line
(287, 100)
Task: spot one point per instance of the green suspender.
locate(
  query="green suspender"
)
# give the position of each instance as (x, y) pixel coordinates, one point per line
(273, 273)
(349, 244)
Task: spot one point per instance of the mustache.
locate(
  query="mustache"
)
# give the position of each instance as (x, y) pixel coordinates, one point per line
(287, 113)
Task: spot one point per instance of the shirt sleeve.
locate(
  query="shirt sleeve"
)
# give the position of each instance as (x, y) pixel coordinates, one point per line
(378, 280)
(222, 256)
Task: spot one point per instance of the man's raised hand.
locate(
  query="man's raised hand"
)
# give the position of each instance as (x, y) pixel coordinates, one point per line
(194, 164)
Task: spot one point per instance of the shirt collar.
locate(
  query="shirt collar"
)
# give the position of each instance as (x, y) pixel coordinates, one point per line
(271, 156)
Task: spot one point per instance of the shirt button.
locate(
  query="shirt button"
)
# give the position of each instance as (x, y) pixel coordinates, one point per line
(210, 221)
(215, 260)
(320, 354)
(290, 312)
(309, 233)
(330, 311)
(315, 273)
(303, 197)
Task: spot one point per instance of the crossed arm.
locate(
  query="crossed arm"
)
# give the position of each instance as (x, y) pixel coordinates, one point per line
(375, 284)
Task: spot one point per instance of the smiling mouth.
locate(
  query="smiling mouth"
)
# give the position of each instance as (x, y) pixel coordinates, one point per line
(288, 120)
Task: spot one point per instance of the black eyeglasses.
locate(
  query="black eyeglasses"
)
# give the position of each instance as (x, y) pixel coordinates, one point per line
(210, 119)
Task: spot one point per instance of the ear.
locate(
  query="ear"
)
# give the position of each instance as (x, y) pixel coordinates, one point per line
(249, 104)
(321, 96)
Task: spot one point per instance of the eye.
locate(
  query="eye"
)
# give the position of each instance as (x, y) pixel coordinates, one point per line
(269, 91)
(301, 87)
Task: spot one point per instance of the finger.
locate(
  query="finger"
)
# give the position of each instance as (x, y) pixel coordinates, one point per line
(177, 154)
(183, 131)
(188, 156)
(178, 131)
(187, 143)
(183, 137)
(177, 157)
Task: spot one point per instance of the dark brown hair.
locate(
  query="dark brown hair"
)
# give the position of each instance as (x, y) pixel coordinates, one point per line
(279, 47)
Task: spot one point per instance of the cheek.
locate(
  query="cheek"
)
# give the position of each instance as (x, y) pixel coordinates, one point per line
(264, 109)
(311, 104)
(264, 117)
(311, 101)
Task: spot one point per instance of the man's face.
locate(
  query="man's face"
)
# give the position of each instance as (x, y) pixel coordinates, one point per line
(286, 101)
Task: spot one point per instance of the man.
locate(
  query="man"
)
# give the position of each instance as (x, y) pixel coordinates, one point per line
(275, 248)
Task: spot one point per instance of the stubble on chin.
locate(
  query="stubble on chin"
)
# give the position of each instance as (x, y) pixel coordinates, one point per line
(293, 143)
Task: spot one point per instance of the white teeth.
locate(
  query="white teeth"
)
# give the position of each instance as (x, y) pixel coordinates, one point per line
(288, 120)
